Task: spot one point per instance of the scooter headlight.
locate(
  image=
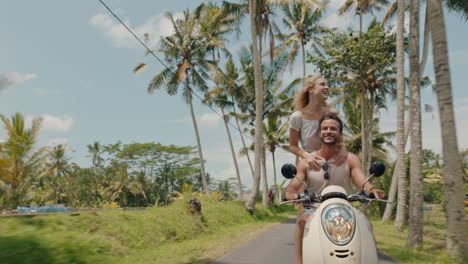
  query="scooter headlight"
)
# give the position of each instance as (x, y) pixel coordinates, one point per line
(339, 223)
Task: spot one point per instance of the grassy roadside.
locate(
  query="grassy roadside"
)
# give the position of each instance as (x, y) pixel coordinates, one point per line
(393, 243)
(171, 235)
(158, 235)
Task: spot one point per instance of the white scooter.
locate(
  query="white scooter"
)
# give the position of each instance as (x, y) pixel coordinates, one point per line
(337, 233)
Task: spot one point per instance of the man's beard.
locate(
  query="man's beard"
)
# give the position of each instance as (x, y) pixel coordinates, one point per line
(333, 142)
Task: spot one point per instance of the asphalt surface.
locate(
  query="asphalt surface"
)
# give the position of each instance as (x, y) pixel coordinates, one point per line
(276, 246)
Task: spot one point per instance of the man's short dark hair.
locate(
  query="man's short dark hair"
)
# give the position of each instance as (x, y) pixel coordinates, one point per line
(331, 116)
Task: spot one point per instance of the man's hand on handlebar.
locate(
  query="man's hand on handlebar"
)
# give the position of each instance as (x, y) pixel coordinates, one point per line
(378, 194)
(291, 196)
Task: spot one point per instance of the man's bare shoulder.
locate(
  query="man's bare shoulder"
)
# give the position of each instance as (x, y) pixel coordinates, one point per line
(302, 166)
(353, 159)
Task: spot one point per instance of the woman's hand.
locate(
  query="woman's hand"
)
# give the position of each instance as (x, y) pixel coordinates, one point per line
(313, 161)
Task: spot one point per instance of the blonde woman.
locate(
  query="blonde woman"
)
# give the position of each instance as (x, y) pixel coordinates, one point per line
(311, 105)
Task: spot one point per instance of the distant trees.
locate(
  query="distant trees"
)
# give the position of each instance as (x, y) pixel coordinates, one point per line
(135, 174)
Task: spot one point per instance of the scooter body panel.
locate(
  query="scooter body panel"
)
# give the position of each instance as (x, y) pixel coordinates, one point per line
(317, 248)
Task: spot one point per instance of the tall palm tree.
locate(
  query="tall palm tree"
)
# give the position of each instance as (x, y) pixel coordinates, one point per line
(220, 97)
(453, 176)
(250, 204)
(415, 220)
(400, 163)
(185, 51)
(215, 23)
(303, 24)
(277, 98)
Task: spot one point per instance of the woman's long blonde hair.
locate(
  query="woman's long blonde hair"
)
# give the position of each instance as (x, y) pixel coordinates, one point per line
(302, 95)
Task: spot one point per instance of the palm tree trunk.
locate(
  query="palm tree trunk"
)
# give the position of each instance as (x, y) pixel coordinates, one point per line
(265, 181)
(387, 216)
(415, 227)
(278, 190)
(370, 128)
(364, 151)
(453, 176)
(427, 29)
(303, 61)
(400, 219)
(195, 127)
(243, 141)
(250, 204)
(233, 152)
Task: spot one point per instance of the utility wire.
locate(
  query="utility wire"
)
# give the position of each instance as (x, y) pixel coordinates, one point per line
(167, 67)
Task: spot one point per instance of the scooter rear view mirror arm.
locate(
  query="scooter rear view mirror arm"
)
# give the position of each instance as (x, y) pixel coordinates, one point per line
(364, 183)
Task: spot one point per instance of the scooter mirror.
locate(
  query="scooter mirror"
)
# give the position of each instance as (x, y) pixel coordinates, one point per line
(288, 170)
(377, 169)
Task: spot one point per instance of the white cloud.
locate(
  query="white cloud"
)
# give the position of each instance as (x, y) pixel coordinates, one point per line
(53, 123)
(156, 26)
(209, 120)
(57, 141)
(12, 78)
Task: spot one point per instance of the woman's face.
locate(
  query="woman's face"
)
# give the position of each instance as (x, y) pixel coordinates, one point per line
(320, 89)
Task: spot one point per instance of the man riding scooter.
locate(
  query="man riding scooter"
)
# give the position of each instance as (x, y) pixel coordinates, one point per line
(330, 130)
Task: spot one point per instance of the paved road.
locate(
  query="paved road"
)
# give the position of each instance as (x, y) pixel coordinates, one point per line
(276, 246)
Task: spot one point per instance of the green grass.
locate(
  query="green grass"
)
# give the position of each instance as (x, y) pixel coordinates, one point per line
(393, 243)
(157, 235)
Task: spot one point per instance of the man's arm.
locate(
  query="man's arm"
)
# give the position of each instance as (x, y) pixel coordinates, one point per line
(359, 177)
(295, 187)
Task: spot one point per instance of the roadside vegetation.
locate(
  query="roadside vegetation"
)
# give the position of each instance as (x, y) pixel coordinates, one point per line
(433, 250)
(169, 234)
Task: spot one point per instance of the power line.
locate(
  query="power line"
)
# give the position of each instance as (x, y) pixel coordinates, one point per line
(167, 67)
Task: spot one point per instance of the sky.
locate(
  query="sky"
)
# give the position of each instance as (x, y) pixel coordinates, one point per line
(71, 63)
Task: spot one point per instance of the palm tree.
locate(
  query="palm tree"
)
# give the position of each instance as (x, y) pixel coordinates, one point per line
(220, 97)
(96, 150)
(58, 177)
(185, 51)
(401, 142)
(415, 220)
(363, 7)
(303, 23)
(276, 136)
(19, 162)
(453, 176)
(250, 204)
(277, 98)
(458, 6)
(215, 24)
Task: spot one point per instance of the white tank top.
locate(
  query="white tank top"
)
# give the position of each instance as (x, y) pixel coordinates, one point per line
(339, 175)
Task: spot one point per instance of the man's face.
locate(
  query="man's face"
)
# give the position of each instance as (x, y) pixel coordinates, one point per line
(330, 131)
